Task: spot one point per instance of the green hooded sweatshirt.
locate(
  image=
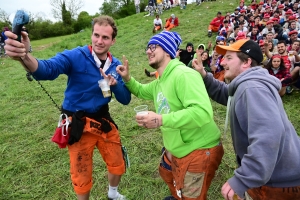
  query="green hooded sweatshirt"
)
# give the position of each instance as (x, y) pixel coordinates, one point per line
(180, 97)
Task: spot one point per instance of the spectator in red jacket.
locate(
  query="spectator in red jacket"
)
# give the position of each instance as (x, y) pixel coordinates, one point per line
(171, 23)
(215, 24)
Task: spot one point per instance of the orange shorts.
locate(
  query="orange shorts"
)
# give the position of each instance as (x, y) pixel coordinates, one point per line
(81, 154)
(193, 173)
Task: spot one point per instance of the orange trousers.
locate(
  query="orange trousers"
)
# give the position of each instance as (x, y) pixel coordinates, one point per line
(267, 193)
(81, 154)
(192, 175)
(169, 26)
(157, 28)
(213, 28)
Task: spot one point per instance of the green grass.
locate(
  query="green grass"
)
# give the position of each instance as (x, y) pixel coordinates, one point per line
(32, 167)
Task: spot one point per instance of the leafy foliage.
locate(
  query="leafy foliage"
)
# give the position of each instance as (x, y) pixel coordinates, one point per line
(83, 21)
(60, 6)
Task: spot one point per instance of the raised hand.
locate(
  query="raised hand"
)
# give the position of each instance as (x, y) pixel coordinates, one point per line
(198, 65)
(123, 70)
(177, 53)
(14, 48)
(111, 80)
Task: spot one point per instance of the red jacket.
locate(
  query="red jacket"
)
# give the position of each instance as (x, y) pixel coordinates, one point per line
(217, 21)
(176, 22)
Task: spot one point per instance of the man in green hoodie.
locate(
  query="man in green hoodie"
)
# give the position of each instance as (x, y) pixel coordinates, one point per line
(184, 114)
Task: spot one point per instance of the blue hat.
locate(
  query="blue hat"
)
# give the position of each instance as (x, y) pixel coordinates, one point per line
(169, 42)
(220, 38)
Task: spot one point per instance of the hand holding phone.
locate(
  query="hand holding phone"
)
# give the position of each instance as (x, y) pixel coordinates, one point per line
(21, 18)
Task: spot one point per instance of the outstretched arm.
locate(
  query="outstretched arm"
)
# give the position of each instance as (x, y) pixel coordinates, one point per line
(19, 50)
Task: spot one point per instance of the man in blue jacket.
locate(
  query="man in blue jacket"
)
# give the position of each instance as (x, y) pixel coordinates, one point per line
(85, 66)
(265, 142)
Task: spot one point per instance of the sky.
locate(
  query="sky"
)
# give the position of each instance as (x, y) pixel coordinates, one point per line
(44, 8)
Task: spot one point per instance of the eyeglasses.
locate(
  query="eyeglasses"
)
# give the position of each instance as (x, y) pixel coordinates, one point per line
(152, 47)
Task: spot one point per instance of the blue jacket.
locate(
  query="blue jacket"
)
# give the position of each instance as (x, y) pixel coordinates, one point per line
(82, 92)
(3, 37)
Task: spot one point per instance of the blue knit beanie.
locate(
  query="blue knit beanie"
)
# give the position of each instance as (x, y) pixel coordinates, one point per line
(169, 41)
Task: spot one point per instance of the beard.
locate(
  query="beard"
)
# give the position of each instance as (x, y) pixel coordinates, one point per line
(154, 65)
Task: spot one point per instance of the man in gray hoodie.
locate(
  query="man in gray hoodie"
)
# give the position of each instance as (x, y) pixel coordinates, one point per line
(266, 144)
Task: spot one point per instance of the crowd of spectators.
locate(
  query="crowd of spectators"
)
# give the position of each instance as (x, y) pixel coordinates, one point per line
(274, 25)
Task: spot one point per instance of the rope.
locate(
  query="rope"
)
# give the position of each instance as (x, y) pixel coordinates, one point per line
(29, 76)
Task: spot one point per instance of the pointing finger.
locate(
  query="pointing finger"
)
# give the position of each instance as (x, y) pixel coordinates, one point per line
(102, 73)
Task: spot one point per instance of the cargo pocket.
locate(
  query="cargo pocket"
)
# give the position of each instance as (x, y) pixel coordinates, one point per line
(193, 183)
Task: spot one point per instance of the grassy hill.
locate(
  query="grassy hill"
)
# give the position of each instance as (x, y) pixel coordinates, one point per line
(32, 167)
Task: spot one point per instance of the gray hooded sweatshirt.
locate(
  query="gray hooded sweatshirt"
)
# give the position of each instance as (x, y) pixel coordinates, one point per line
(266, 144)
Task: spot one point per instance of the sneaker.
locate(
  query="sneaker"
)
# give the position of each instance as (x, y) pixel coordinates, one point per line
(209, 34)
(147, 73)
(289, 89)
(119, 197)
(170, 198)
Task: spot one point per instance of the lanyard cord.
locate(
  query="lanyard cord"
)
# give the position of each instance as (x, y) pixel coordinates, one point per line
(29, 76)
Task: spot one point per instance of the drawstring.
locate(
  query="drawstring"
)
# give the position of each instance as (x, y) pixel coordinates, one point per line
(227, 116)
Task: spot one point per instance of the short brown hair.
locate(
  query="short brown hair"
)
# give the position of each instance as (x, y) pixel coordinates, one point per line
(244, 57)
(106, 20)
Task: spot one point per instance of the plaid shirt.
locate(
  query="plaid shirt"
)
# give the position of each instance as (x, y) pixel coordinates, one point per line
(282, 74)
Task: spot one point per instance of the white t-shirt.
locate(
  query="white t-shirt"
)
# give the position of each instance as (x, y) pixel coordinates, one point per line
(157, 22)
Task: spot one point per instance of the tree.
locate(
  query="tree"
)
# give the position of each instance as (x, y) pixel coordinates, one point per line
(84, 20)
(72, 6)
(109, 7)
(125, 2)
(66, 15)
(118, 8)
(4, 17)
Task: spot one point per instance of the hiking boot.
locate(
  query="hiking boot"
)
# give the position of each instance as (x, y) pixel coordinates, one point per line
(209, 34)
(119, 197)
(289, 89)
(147, 73)
(170, 198)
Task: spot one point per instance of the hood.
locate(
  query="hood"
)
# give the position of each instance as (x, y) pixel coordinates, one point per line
(258, 76)
(201, 45)
(170, 67)
(189, 44)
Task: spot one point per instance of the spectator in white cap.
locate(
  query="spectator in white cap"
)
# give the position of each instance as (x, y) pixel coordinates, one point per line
(192, 151)
(172, 22)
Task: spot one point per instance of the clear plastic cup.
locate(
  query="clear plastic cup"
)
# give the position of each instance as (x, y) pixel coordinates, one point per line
(103, 84)
(141, 110)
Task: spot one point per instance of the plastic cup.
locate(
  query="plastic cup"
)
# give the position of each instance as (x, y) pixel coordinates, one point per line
(291, 53)
(141, 110)
(103, 84)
